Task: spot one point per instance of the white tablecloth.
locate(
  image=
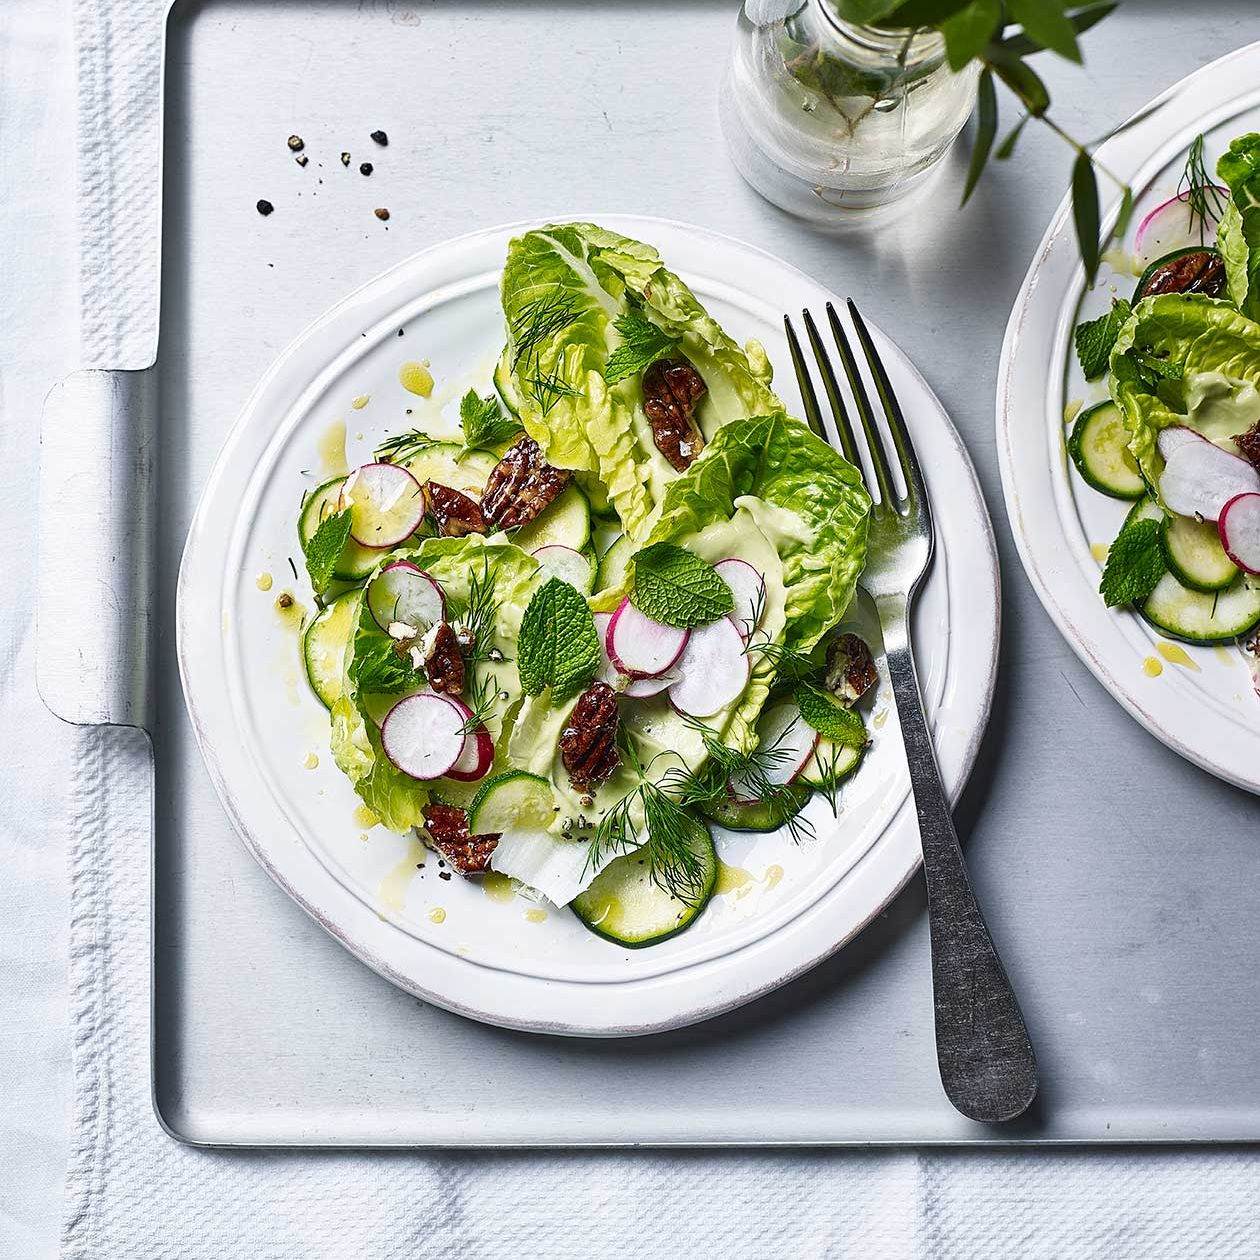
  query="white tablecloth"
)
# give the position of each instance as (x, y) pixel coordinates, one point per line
(83, 795)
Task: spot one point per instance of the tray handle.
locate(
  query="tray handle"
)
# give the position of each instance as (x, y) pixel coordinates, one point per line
(94, 610)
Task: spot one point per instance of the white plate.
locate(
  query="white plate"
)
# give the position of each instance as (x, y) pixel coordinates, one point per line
(256, 722)
(1206, 711)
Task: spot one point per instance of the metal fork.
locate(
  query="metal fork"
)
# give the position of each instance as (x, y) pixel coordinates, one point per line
(985, 1057)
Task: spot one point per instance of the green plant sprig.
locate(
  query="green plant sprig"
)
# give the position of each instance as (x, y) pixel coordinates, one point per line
(1000, 35)
(1203, 196)
(672, 839)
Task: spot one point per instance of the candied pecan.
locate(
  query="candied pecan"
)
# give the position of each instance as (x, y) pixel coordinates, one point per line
(588, 743)
(521, 484)
(671, 389)
(1199, 272)
(851, 671)
(442, 660)
(447, 831)
(1249, 444)
(455, 513)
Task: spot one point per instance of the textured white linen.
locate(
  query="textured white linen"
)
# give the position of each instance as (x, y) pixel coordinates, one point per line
(131, 1191)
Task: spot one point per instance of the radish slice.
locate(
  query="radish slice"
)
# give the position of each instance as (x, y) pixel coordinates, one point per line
(386, 505)
(557, 560)
(1240, 531)
(641, 647)
(714, 670)
(478, 751)
(787, 741)
(423, 735)
(1177, 435)
(623, 684)
(405, 592)
(1199, 477)
(749, 589)
(1171, 226)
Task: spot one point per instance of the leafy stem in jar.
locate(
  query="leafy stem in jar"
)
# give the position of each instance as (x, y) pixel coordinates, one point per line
(999, 36)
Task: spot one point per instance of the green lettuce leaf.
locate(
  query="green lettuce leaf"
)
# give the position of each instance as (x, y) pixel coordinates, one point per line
(564, 289)
(810, 504)
(465, 568)
(1238, 234)
(1208, 377)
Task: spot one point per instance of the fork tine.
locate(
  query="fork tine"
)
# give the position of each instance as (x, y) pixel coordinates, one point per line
(892, 409)
(839, 412)
(808, 397)
(874, 443)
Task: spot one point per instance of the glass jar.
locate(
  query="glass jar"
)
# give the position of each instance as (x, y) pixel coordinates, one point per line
(825, 118)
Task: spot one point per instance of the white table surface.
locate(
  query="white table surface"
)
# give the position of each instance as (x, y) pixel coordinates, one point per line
(1132, 55)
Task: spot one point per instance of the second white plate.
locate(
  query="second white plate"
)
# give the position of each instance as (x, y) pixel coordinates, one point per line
(1199, 700)
(781, 908)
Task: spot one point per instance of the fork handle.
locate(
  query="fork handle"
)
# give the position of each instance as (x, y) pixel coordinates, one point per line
(985, 1057)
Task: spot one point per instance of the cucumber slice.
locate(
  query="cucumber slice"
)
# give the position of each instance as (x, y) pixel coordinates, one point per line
(505, 388)
(567, 522)
(512, 801)
(1194, 554)
(1200, 616)
(355, 562)
(830, 763)
(443, 463)
(755, 815)
(324, 646)
(626, 906)
(1144, 510)
(613, 563)
(1099, 447)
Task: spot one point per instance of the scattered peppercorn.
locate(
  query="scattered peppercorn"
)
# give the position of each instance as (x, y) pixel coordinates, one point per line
(444, 874)
(296, 143)
(301, 159)
(381, 138)
(381, 213)
(345, 159)
(265, 208)
(284, 600)
(365, 168)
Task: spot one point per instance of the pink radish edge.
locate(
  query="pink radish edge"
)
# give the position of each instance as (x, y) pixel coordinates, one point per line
(748, 591)
(425, 718)
(477, 753)
(1179, 201)
(1239, 528)
(417, 494)
(414, 568)
(1199, 477)
(624, 684)
(626, 634)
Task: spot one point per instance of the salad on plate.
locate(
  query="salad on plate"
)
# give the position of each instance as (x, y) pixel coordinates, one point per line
(1179, 433)
(608, 615)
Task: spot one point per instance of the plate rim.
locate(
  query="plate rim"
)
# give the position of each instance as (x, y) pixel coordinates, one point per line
(1090, 631)
(910, 859)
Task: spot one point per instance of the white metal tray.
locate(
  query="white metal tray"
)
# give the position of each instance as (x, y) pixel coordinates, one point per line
(1133, 952)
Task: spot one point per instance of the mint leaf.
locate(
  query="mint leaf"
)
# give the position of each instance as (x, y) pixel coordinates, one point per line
(324, 547)
(1146, 368)
(558, 645)
(642, 343)
(677, 588)
(483, 424)
(840, 725)
(1095, 338)
(1135, 564)
(378, 669)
